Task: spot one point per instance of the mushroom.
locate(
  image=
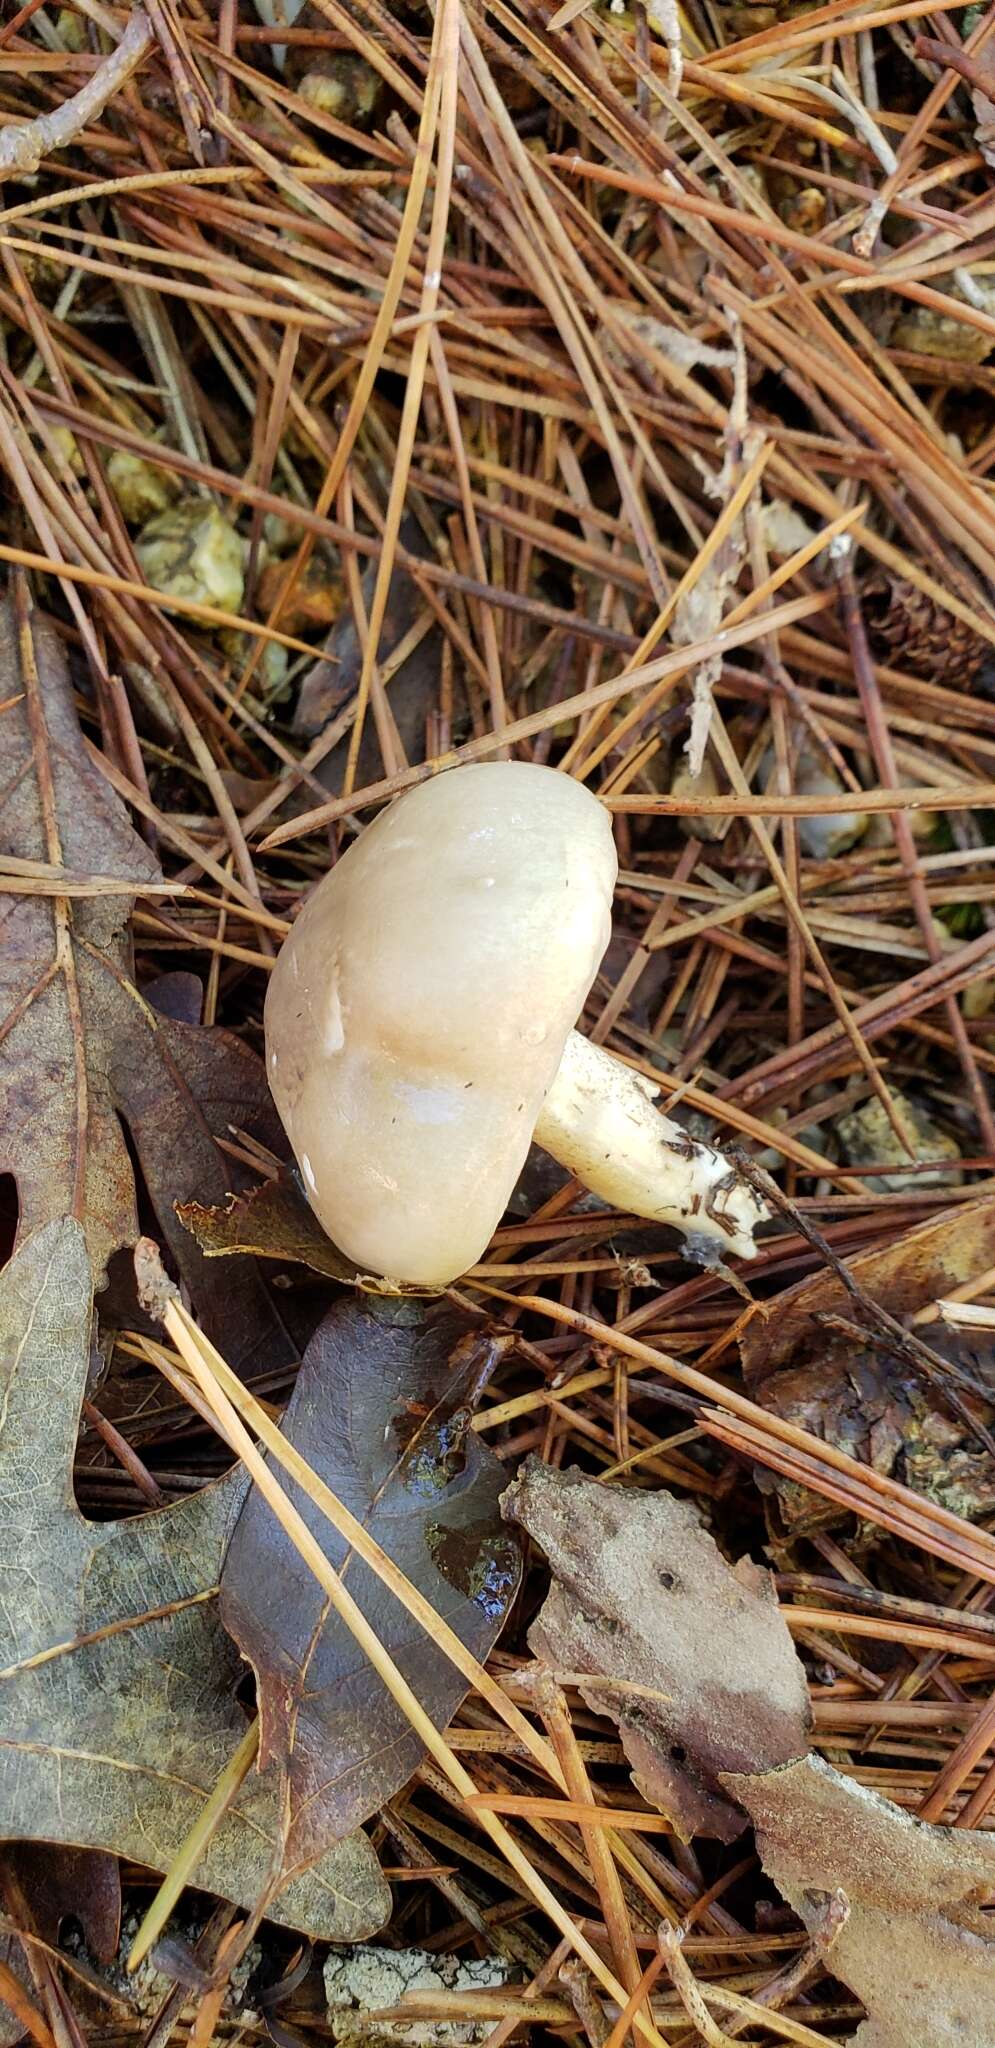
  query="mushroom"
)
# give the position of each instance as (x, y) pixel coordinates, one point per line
(419, 1032)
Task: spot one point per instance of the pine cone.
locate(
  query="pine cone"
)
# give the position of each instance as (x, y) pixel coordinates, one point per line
(907, 630)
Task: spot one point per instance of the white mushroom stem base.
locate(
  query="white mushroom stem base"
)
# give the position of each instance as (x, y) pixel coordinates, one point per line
(600, 1120)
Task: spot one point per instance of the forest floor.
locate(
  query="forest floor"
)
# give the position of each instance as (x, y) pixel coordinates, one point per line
(414, 385)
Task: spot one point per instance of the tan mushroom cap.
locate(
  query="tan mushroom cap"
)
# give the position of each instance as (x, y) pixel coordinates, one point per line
(419, 1008)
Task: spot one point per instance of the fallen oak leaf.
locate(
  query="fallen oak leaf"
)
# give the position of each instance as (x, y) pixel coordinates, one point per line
(81, 1051)
(705, 1667)
(917, 1946)
(117, 1680)
(61, 1139)
(180, 1088)
(381, 1411)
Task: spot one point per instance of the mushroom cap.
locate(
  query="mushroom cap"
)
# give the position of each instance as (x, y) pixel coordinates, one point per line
(419, 1008)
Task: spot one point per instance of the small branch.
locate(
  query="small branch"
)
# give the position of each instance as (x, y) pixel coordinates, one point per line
(23, 145)
(686, 1987)
(578, 1985)
(812, 1958)
(955, 59)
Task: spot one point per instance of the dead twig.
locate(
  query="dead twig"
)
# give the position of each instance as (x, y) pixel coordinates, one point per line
(23, 145)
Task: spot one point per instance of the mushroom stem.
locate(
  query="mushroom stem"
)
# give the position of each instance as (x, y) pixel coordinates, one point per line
(600, 1120)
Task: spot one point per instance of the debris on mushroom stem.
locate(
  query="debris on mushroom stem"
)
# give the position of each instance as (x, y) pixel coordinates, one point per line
(417, 1018)
(600, 1119)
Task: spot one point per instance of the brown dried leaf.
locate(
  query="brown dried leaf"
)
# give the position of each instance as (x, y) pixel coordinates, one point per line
(381, 1411)
(179, 1088)
(70, 1884)
(80, 1050)
(42, 1886)
(119, 1681)
(917, 1948)
(642, 1594)
(924, 1264)
(871, 1403)
(272, 1221)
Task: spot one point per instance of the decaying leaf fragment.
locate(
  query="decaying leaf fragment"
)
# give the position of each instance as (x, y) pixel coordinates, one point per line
(380, 1410)
(874, 1404)
(117, 1680)
(699, 612)
(917, 1948)
(81, 1051)
(272, 1221)
(641, 1594)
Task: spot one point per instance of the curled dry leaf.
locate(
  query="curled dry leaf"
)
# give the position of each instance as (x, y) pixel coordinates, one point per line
(923, 1265)
(179, 1088)
(273, 1221)
(642, 1595)
(380, 1411)
(81, 1052)
(918, 1946)
(871, 1403)
(117, 1678)
(699, 612)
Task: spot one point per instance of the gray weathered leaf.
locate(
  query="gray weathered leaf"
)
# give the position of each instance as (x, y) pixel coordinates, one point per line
(706, 1672)
(117, 1680)
(918, 1948)
(60, 1136)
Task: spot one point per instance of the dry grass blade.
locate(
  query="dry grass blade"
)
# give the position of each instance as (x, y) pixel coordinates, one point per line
(184, 1868)
(687, 1988)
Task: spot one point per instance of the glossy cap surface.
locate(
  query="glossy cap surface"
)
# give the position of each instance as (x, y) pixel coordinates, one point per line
(419, 1008)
